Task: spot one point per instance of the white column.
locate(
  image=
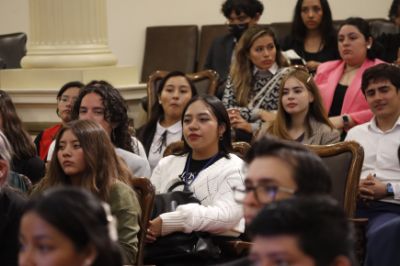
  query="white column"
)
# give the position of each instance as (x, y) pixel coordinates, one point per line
(68, 34)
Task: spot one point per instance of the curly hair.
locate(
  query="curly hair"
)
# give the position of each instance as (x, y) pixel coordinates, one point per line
(115, 111)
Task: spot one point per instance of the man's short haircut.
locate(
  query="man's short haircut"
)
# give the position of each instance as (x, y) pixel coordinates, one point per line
(309, 171)
(319, 224)
(381, 72)
(249, 7)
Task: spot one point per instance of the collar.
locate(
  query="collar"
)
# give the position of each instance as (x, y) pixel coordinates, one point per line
(374, 127)
(175, 128)
(273, 69)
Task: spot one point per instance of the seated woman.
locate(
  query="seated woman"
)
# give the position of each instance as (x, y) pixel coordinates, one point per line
(339, 81)
(101, 102)
(164, 125)
(208, 169)
(84, 157)
(66, 97)
(301, 115)
(24, 159)
(313, 36)
(255, 75)
(68, 226)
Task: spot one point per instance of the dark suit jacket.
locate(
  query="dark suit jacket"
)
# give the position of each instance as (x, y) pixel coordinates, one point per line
(220, 55)
(12, 204)
(239, 262)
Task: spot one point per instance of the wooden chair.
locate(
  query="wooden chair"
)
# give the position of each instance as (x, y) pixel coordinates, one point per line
(205, 81)
(344, 161)
(146, 194)
(240, 148)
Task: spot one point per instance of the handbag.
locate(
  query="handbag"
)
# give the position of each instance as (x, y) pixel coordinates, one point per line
(178, 246)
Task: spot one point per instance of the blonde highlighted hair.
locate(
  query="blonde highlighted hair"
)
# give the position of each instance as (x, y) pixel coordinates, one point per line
(241, 70)
(281, 125)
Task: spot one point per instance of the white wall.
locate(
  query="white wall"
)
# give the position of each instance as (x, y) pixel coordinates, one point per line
(128, 19)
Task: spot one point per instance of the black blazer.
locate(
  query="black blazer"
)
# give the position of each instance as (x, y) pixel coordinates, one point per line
(220, 55)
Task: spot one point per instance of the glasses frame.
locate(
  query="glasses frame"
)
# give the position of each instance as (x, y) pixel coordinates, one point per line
(272, 189)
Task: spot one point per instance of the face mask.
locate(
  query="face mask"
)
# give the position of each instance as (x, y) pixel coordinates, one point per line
(237, 29)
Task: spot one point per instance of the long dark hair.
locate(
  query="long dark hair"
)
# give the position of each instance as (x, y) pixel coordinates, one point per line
(326, 29)
(103, 166)
(115, 108)
(218, 109)
(12, 128)
(146, 134)
(81, 217)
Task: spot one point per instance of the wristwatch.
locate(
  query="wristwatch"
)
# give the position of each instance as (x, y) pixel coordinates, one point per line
(346, 122)
(389, 189)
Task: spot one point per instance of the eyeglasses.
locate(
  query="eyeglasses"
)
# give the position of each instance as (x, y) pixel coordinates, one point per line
(263, 193)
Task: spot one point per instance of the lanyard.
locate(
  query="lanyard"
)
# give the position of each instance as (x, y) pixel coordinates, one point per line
(189, 177)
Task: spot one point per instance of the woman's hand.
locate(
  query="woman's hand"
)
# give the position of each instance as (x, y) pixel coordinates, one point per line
(237, 121)
(154, 230)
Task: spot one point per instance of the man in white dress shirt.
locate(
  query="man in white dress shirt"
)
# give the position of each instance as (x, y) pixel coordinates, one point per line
(379, 188)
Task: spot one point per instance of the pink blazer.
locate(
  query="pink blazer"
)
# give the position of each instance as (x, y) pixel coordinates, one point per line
(354, 103)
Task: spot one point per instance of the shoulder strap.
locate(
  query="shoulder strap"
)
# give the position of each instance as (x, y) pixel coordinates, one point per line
(175, 185)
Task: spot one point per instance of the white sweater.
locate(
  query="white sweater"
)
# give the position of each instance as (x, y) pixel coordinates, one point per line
(218, 212)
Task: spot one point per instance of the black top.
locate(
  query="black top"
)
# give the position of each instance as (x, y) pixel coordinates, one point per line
(12, 204)
(194, 167)
(337, 102)
(327, 53)
(390, 44)
(33, 168)
(219, 56)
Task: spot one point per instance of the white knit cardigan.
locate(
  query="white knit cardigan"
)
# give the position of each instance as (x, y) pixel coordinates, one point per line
(218, 212)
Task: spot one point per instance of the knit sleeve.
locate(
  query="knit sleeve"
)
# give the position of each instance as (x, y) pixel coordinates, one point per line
(222, 214)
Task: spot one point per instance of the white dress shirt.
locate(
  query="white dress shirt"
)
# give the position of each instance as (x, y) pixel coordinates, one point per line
(380, 153)
(157, 148)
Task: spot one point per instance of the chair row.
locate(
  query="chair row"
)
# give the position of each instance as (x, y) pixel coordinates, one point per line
(185, 47)
(344, 160)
